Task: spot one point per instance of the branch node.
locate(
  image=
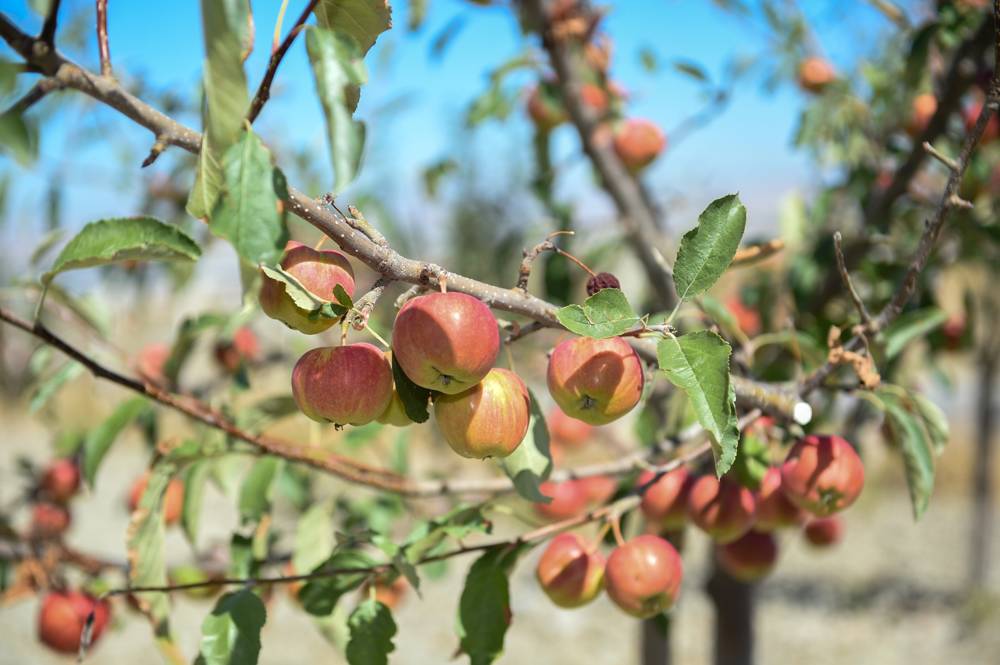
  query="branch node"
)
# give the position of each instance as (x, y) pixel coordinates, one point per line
(941, 157)
(161, 144)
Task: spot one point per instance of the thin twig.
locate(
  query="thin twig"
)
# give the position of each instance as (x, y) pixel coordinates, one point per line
(102, 37)
(264, 91)
(528, 257)
(365, 305)
(846, 276)
(893, 12)
(941, 157)
(48, 33)
(35, 94)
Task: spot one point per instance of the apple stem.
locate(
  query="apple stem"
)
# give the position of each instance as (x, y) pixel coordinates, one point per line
(443, 282)
(377, 336)
(320, 242)
(616, 527)
(596, 543)
(576, 261)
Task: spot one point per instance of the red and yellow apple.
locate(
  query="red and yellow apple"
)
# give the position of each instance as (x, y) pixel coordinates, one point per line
(774, 509)
(61, 480)
(815, 74)
(173, 497)
(723, 509)
(63, 615)
(664, 503)
(242, 348)
(750, 557)
(151, 363)
(598, 489)
(638, 142)
(824, 531)
(595, 380)
(822, 474)
(569, 498)
(924, 106)
(488, 420)
(345, 385)
(567, 431)
(319, 271)
(569, 572)
(49, 520)
(643, 576)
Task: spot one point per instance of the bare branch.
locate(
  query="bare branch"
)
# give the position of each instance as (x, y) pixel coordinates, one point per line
(102, 37)
(48, 34)
(264, 91)
(846, 276)
(33, 96)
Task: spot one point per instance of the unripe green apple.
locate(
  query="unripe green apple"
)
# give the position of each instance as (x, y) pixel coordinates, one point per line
(822, 474)
(824, 531)
(61, 480)
(595, 380)
(570, 574)
(345, 385)
(63, 615)
(319, 271)
(638, 142)
(488, 420)
(750, 557)
(569, 498)
(445, 341)
(723, 509)
(643, 576)
(664, 503)
(774, 509)
(173, 497)
(49, 520)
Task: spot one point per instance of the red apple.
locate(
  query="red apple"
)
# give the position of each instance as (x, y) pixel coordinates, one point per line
(445, 341)
(488, 420)
(61, 480)
(971, 115)
(953, 331)
(345, 385)
(151, 363)
(747, 318)
(319, 271)
(749, 558)
(774, 509)
(924, 106)
(173, 497)
(567, 431)
(825, 531)
(545, 107)
(721, 508)
(598, 489)
(643, 576)
(569, 573)
(243, 347)
(62, 618)
(49, 520)
(664, 503)
(595, 380)
(815, 74)
(822, 474)
(390, 594)
(569, 498)
(638, 142)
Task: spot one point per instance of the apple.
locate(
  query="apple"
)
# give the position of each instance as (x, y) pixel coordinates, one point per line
(747, 318)
(545, 107)
(721, 508)
(445, 341)
(971, 115)
(954, 331)
(567, 431)
(822, 474)
(390, 594)
(63, 616)
(595, 380)
(815, 74)
(750, 557)
(242, 348)
(637, 142)
(824, 531)
(643, 576)
(569, 498)
(151, 363)
(924, 106)
(598, 489)
(488, 420)
(319, 271)
(345, 385)
(61, 480)
(664, 503)
(774, 509)
(395, 413)
(49, 520)
(173, 497)
(570, 574)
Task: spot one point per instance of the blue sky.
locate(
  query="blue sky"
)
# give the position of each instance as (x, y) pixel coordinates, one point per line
(748, 149)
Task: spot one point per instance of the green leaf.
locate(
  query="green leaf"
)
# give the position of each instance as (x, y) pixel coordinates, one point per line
(147, 566)
(257, 490)
(918, 451)
(99, 440)
(484, 608)
(692, 69)
(372, 630)
(698, 364)
(124, 239)
(195, 477)
(18, 138)
(314, 541)
(230, 635)
(414, 397)
(303, 298)
(320, 596)
(531, 463)
(250, 213)
(934, 420)
(363, 20)
(45, 390)
(605, 314)
(708, 249)
(910, 327)
(338, 70)
(456, 524)
(224, 27)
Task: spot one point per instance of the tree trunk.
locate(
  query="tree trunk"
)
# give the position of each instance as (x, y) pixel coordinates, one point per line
(734, 607)
(982, 466)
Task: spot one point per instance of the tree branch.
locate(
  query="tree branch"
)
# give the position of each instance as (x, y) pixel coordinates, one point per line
(48, 34)
(264, 91)
(102, 37)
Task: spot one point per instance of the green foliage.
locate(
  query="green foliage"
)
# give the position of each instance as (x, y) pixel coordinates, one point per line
(147, 565)
(314, 541)
(46, 389)
(124, 239)
(303, 298)
(230, 635)
(320, 596)
(531, 462)
(372, 630)
(99, 440)
(909, 327)
(258, 488)
(707, 250)
(18, 138)
(414, 397)
(362, 20)
(484, 608)
(605, 314)
(698, 364)
(194, 477)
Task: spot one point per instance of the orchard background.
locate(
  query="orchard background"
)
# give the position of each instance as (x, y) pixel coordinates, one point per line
(766, 231)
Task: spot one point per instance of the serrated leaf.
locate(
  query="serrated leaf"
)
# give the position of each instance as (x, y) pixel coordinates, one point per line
(338, 68)
(320, 596)
(372, 629)
(314, 541)
(531, 462)
(144, 544)
(605, 314)
(99, 440)
(484, 607)
(364, 20)
(935, 422)
(414, 397)
(258, 487)
(916, 447)
(124, 239)
(250, 212)
(911, 326)
(708, 249)
(195, 478)
(698, 364)
(230, 635)
(45, 390)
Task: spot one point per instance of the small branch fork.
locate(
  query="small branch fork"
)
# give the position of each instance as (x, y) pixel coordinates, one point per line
(102, 37)
(264, 91)
(530, 255)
